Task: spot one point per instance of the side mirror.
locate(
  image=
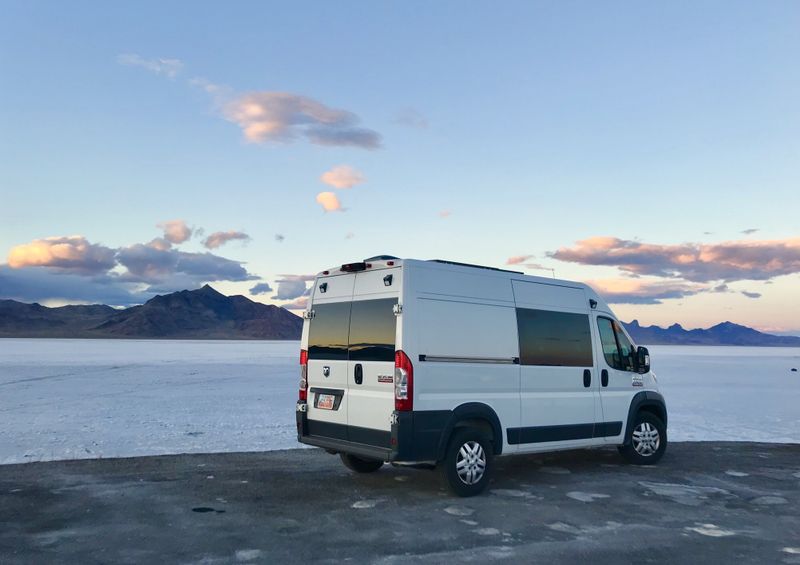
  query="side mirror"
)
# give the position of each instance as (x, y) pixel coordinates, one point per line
(642, 360)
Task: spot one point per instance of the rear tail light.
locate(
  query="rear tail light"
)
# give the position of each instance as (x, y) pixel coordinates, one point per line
(303, 375)
(403, 382)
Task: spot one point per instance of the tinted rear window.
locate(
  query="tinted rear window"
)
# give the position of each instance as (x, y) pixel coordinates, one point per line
(372, 330)
(361, 331)
(554, 338)
(327, 335)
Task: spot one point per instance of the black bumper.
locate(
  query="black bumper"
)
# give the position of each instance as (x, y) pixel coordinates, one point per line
(414, 436)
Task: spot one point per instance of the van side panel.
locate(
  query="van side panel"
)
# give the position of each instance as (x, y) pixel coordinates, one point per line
(460, 331)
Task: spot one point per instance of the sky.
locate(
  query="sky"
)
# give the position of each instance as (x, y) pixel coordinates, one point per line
(649, 149)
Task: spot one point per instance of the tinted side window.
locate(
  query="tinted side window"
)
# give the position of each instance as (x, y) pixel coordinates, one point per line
(327, 334)
(625, 348)
(372, 330)
(554, 338)
(610, 350)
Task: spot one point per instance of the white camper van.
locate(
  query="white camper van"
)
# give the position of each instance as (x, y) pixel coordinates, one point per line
(405, 360)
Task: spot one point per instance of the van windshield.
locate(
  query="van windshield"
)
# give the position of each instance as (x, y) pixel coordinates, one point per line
(363, 330)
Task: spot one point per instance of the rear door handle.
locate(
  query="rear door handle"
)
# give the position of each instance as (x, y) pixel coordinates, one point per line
(587, 378)
(604, 377)
(358, 374)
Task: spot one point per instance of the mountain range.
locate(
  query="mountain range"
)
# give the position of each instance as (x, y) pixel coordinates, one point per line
(189, 314)
(207, 314)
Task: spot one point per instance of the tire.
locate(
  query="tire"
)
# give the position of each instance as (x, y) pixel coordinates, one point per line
(468, 462)
(360, 465)
(648, 440)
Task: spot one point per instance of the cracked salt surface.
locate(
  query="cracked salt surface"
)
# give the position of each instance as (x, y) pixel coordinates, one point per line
(710, 530)
(459, 511)
(365, 504)
(487, 531)
(586, 496)
(689, 495)
(737, 474)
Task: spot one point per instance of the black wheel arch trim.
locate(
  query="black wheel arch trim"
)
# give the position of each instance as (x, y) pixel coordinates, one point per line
(643, 399)
(472, 411)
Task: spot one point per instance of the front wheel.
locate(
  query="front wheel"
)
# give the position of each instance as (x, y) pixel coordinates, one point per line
(360, 465)
(648, 440)
(468, 462)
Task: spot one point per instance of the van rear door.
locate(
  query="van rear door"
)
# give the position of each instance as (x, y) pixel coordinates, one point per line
(372, 339)
(327, 356)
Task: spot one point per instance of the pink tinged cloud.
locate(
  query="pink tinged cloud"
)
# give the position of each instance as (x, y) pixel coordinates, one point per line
(637, 291)
(284, 117)
(73, 254)
(342, 176)
(220, 238)
(518, 259)
(175, 231)
(445, 213)
(726, 261)
(329, 202)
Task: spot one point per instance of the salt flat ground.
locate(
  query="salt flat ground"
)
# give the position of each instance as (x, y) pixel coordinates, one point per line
(78, 399)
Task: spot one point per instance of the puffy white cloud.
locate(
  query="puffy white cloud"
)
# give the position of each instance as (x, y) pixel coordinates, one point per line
(283, 117)
(329, 202)
(726, 261)
(160, 66)
(175, 231)
(342, 176)
(220, 238)
(67, 253)
(297, 304)
(292, 286)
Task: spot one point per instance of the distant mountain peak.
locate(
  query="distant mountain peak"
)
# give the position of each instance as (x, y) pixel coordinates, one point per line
(724, 333)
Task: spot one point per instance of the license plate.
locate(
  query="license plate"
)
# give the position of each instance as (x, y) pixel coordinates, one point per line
(325, 401)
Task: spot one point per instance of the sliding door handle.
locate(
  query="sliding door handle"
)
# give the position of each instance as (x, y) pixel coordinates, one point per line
(587, 378)
(604, 377)
(358, 374)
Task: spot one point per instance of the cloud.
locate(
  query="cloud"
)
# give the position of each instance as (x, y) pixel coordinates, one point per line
(411, 118)
(160, 66)
(726, 261)
(329, 202)
(220, 238)
(292, 286)
(145, 263)
(74, 269)
(445, 213)
(517, 259)
(750, 231)
(261, 288)
(637, 291)
(297, 304)
(342, 176)
(48, 285)
(751, 294)
(175, 231)
(279, 237)
(284, 117)
(349, 235)
(69, 254)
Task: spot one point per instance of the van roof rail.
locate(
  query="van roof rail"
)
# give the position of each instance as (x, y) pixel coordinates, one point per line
(475, 266)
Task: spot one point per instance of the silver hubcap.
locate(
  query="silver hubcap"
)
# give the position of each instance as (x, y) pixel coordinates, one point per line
(471, 463)
(646, 439)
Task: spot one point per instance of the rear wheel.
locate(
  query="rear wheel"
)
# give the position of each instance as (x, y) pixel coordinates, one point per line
(360, 465)
(468, 462)
(648, 440)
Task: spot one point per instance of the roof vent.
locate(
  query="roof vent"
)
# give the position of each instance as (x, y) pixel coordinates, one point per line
(381, 258)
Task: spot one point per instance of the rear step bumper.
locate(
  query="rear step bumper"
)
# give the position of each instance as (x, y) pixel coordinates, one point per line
(414, 437)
